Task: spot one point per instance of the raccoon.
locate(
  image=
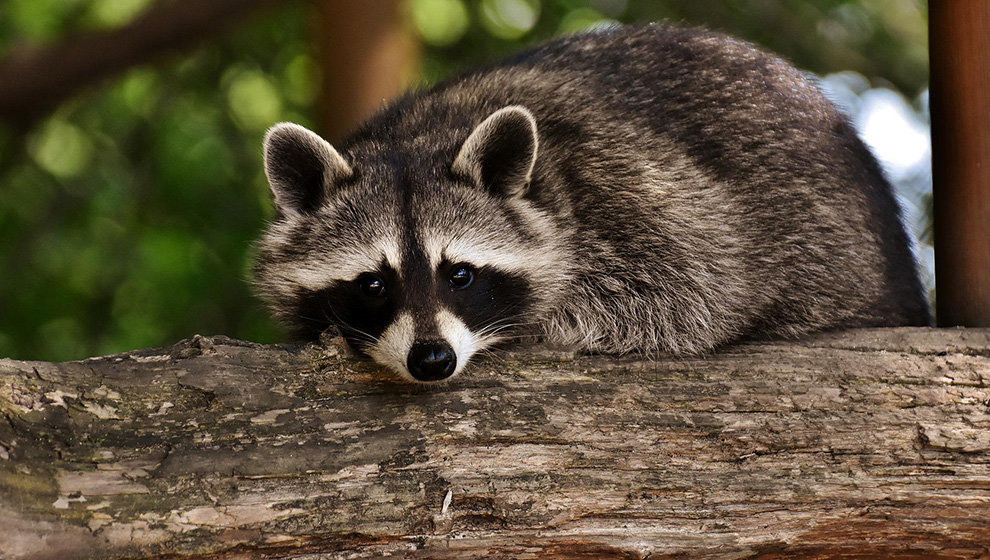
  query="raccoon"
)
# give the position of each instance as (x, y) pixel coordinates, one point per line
(648, 188)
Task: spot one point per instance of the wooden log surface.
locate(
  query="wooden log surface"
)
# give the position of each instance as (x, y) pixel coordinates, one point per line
(869, 443)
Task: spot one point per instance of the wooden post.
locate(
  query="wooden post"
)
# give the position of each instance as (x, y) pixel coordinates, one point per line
(960, 108)
(367, 54)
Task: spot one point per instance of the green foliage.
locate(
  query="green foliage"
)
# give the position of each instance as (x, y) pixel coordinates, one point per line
(126, 216)
(440, 22)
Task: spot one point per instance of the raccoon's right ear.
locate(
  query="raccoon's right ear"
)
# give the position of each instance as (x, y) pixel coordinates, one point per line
(501, 151)
(301, 167)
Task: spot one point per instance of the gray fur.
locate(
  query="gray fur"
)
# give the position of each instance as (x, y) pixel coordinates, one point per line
(688, 191)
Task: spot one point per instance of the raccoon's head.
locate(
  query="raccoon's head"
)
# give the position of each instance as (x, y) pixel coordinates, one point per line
(420, 254)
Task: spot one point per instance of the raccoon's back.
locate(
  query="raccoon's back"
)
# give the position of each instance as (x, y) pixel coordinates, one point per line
(812, 200)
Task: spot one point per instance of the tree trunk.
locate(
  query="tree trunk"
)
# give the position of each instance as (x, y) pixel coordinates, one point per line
(852, 444)
(367, 54)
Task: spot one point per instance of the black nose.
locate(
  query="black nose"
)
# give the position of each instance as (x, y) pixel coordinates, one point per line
(431, 361)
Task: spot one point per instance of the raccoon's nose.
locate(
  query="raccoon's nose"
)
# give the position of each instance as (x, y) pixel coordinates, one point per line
(431, 361)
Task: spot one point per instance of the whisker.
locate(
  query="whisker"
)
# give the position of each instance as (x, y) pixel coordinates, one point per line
(342, 325)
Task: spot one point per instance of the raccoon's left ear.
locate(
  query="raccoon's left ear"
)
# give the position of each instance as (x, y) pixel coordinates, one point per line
(302, 168)
(501, 151)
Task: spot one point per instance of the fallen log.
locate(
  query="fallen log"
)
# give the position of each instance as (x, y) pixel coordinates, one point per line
(868, 443)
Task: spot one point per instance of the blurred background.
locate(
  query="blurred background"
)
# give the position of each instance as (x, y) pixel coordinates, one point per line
(131, 184)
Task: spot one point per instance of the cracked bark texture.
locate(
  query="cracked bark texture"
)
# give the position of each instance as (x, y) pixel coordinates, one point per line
(869, 443)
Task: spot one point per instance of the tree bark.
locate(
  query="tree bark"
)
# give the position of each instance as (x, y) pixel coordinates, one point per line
(869, 443)
(35, 79)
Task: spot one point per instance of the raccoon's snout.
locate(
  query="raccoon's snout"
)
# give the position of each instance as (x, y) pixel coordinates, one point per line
(431, 361)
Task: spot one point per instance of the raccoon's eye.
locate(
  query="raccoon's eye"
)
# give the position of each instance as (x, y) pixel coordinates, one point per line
(461, 277)
(372, 287)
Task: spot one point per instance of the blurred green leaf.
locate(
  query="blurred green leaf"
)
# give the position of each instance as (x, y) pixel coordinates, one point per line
(39, 20)
(111, 13)
(509, 19)
(440, 22)
(299, 80)
(140, 89)
(63, 338)
(253, 99)
(61, 148)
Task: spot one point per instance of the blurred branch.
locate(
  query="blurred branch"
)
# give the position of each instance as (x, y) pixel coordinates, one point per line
(33, 80)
